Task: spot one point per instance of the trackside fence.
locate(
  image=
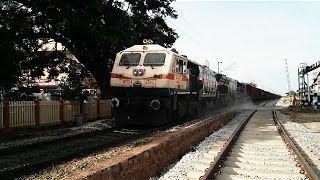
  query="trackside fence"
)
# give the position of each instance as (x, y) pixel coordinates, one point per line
(49, 113)
(104, 108)
(70, 110)
(22, 114)
(90, 108)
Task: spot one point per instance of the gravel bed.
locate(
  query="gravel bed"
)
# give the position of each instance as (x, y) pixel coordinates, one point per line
(308, 140)
(60, 134)
(180, 168)
(77, 165)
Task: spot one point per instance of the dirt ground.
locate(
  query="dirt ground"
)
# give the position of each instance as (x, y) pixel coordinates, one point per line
(308, 117)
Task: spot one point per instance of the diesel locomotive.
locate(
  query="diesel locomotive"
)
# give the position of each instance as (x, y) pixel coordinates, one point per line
(154, 85)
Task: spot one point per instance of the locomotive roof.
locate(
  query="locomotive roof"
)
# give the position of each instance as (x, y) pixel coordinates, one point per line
(156, 47)
(150, 47)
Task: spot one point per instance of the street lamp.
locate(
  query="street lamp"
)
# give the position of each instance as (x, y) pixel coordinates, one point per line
(218, 66)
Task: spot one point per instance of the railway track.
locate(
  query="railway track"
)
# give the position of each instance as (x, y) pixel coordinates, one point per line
(256, 148)
(22, 161)
(51, 138)
(26, 159)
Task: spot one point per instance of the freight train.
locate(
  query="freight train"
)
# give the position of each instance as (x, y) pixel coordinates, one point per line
(153, 85)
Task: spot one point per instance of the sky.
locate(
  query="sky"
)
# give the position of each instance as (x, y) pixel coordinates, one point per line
(251, 39)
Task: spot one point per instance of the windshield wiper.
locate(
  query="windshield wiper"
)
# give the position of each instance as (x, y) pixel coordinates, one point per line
(128, 66)
(152, 66)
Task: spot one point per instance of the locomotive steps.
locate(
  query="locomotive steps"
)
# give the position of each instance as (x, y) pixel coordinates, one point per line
(150, 159)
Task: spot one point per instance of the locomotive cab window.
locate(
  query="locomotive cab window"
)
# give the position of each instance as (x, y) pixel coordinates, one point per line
(154, 59)
(179, 66)
(130, 59)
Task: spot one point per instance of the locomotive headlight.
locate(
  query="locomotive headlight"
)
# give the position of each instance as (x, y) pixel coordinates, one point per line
(135, 72)
(140, 72)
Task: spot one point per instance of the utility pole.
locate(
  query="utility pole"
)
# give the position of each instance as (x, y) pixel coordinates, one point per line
(233, 63)
(288, 77)
(303, 70)
(218, 66)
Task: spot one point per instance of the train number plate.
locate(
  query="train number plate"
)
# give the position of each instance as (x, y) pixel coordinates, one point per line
(149, 83)
(127, 81)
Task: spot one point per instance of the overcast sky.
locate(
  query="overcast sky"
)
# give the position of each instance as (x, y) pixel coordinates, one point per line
(250, 38)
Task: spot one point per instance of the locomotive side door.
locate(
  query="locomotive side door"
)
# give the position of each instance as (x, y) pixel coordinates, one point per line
(179, 73)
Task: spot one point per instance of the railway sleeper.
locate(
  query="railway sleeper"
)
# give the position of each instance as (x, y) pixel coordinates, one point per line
(259, 152)
(261, 174)
(262, 157)
(259, 162)
(239, 177)
(265, 143)
(261, 167)
(262, 146)
(244, 148)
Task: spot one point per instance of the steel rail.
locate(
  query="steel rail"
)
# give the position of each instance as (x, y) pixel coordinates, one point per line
(215, 165)
(306, 168)
(32, 167)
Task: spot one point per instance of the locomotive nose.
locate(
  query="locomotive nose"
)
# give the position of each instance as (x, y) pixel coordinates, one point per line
(155, 104)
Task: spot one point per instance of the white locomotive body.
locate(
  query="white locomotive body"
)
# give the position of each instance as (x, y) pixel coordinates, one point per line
(153, 85)
(149, 66)
(210, 84)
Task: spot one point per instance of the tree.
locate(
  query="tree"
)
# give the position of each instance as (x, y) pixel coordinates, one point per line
(292, 93)
(20, 59)
(252, 84)
(14, 51)
(94, 31)
(72, 85)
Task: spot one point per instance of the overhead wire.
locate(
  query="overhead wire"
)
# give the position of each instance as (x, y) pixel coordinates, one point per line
(187, 35)
(196, 42)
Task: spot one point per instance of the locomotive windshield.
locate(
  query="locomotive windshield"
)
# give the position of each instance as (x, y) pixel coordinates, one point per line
(130, 59)
(154, 59)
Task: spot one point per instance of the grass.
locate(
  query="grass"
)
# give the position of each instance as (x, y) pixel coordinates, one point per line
(141, 142)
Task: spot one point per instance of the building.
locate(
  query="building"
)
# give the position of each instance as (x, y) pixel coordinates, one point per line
(45, 84)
